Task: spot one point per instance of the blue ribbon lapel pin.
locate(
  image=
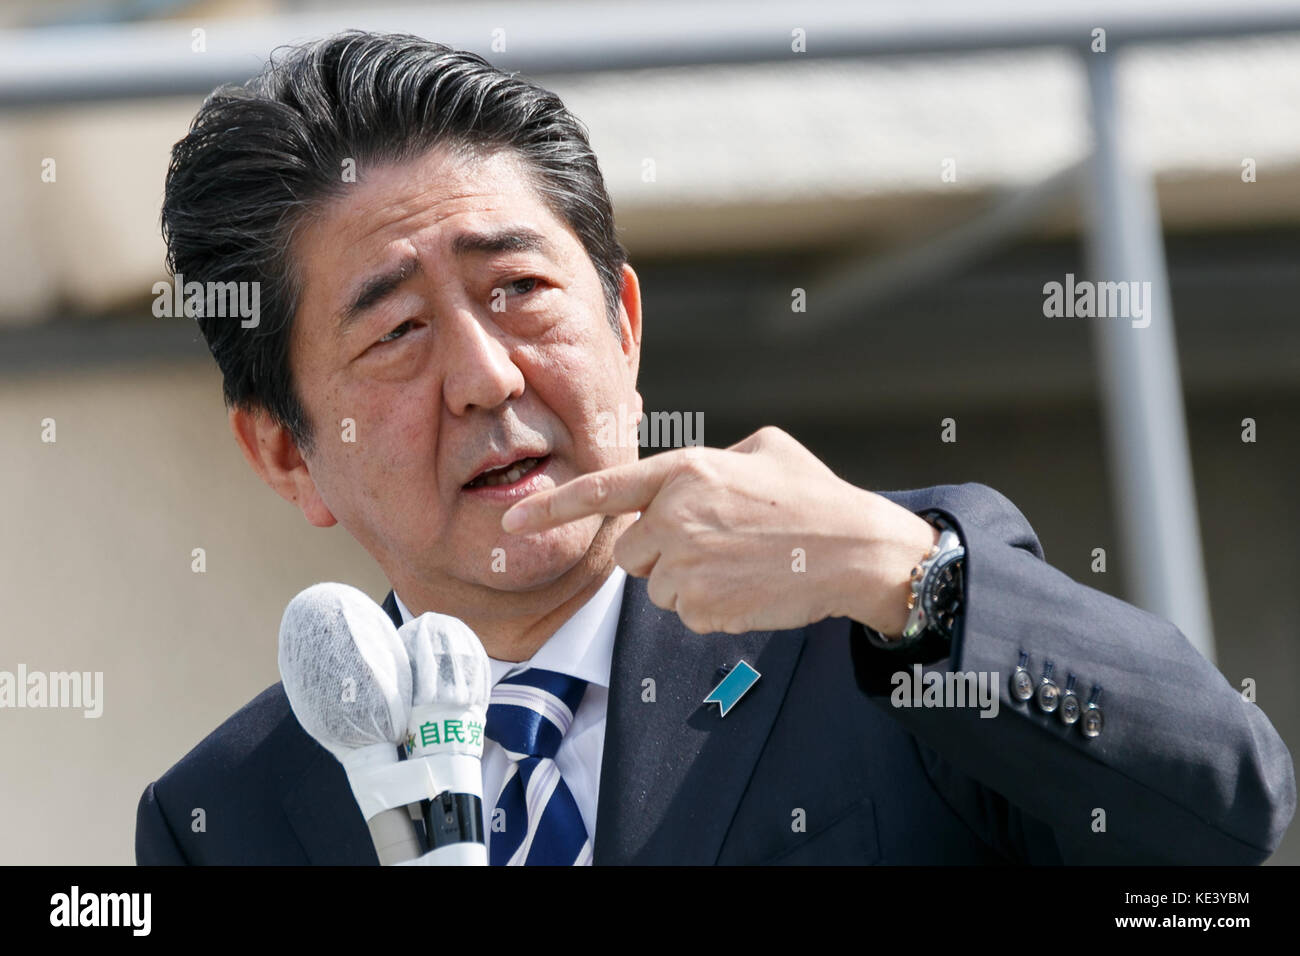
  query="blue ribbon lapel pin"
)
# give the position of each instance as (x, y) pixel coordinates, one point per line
(732, 687)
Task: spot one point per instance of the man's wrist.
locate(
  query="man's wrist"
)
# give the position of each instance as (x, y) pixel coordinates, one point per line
(879, 580)
(900, 600)
(937, 592)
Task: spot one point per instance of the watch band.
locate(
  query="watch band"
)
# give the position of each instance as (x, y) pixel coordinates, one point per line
(937, 591)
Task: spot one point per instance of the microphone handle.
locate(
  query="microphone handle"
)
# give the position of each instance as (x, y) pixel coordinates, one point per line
(453, 818)
(394, 838)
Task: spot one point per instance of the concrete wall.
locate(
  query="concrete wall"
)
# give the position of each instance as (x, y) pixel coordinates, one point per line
(96, 570)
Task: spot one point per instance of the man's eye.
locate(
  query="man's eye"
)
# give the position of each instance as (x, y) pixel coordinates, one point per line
(529, 283)
(397, 332)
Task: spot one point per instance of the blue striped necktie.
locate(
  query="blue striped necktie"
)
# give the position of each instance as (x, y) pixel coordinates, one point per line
(529, 715)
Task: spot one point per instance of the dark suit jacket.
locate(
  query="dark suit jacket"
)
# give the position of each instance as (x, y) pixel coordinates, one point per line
(1185, 770)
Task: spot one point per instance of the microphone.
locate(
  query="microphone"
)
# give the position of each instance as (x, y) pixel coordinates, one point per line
(348, 680)
(451, 688)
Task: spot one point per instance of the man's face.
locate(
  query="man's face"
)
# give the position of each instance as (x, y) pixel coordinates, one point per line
(461, 326)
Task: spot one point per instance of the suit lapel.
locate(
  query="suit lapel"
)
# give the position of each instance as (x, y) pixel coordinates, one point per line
(673, 771)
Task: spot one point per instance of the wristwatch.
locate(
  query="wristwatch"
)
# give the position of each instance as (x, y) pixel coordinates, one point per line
(937, 591)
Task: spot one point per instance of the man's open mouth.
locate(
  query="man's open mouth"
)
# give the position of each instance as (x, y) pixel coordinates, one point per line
(506, 474)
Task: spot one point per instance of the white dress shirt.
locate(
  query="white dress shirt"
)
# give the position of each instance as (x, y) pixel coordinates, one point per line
(583, 647)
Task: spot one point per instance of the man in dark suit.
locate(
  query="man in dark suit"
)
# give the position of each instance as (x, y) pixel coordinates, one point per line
(449, 325)
(1185, 770)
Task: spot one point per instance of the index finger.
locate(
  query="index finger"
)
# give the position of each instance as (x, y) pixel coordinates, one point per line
(611, 491)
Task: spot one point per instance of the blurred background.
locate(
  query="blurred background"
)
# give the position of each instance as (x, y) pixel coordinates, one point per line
(920, 170)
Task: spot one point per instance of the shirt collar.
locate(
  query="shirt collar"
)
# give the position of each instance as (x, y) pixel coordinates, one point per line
(583, 647)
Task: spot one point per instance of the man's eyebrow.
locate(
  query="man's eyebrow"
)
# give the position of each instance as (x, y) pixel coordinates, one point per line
(508, 239)
(374, 289)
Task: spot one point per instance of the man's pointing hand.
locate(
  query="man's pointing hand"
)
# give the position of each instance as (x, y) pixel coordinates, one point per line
(759, 536)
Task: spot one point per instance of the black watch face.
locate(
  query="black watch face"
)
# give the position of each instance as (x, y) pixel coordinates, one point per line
(943, 597)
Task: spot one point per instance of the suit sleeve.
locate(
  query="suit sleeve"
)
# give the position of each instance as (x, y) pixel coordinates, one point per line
(1185, 769)
(155, 844)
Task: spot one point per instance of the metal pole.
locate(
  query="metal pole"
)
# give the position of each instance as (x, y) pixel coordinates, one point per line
(1141, 390)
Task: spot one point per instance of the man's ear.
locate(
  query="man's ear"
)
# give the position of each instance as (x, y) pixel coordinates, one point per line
(273, 454)
(630, 319)
(630, 328)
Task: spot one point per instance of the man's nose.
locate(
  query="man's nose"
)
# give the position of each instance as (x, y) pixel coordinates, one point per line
(479, 371)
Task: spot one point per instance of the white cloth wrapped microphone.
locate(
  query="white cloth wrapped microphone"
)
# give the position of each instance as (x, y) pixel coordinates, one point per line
(451, 688)
(348, 680)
